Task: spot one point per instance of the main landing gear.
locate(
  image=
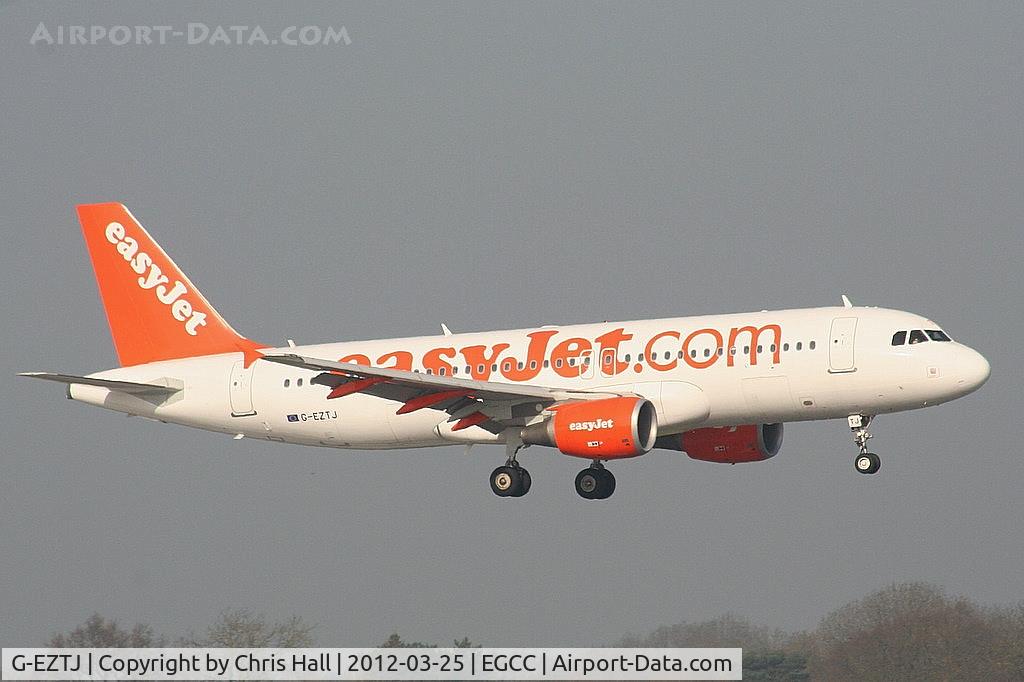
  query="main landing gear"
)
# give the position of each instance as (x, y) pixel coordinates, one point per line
(866, 462)
(511, 480)
(595, 482)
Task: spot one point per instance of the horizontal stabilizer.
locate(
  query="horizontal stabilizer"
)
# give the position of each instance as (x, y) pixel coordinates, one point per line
(131, 387)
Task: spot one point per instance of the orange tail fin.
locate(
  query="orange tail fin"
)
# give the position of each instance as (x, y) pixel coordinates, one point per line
(154, 311)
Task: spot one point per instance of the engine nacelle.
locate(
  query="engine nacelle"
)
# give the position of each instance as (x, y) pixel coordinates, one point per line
(609, 428)
(728, 444)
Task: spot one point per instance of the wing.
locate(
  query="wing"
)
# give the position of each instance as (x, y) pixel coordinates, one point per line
(132, 387)
(468, 402)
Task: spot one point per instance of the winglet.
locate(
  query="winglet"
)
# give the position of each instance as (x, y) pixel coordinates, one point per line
(846, 302)
(445, 330)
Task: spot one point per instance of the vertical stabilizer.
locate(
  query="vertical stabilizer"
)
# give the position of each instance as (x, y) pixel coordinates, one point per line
(154, 311)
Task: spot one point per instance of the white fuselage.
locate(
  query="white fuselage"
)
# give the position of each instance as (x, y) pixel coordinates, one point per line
(715, 370)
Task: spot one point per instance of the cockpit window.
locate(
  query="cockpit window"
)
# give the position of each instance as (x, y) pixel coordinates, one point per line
(899, 338)
(917, 336)
(937, 335)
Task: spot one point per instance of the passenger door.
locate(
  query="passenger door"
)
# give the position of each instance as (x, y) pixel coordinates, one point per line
(841, 345)
(241, 390)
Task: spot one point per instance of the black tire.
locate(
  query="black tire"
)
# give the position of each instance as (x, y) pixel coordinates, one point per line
(867, 463)
(592, 482)
(607, 485)
(524, 482)
(588, 483)
(506, 481)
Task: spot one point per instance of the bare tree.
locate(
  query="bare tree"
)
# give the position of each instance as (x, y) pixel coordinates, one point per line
(245, 629)
(394, 641)
(1008, 654)
(100, 632)
(909, 631)
(726, 631)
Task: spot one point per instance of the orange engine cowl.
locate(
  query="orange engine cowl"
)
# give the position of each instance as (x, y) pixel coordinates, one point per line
(728, 444)
(609, 428)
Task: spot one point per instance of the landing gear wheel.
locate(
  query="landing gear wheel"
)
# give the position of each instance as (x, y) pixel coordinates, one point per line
(588, 483)
(867, 463)
(595, 483)
(607, 484)
(507, 481)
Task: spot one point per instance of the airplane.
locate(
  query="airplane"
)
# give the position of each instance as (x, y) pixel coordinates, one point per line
(717, 387)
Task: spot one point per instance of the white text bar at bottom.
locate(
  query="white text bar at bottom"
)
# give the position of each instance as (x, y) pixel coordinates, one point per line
(483, 663)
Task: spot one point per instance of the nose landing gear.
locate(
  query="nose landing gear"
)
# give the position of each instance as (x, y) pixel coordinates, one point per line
(865, 462)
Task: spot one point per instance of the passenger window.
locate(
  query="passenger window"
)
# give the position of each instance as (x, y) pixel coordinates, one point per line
(441, 371)
(799, 345)
(707, 352)
(627, 357)
(811, 345)
(520, 365)
(287, 383)
(693, 353)
(494, 367)
(720, 349)
(937, 335)
(917, 336)
(480, 369)
(533, 364)
(760, 348)
(507, 366)
(455, 370)
(547, 363)
(899, 338)
(785, 346)
(772, 348)
(558, 362)
(746, 350)
(298, 382)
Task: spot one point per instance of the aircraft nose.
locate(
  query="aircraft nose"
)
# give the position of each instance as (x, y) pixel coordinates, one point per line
(973, 370)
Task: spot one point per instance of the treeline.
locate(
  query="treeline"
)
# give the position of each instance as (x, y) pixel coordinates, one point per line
(239, 628)
(233, 628)
(909, 631)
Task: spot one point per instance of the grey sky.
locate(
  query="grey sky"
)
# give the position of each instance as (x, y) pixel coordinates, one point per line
(503, 166)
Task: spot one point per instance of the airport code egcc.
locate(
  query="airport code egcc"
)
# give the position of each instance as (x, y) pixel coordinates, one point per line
(372, 664)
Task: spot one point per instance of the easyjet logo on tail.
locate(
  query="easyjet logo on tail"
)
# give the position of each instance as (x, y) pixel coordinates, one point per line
(153, 279)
